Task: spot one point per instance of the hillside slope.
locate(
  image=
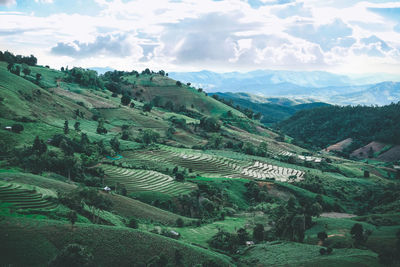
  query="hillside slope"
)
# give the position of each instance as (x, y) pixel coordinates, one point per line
(324, 126)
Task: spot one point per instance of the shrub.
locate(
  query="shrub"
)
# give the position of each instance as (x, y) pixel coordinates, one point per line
(179, 222)
(17, 128)
(133, 223)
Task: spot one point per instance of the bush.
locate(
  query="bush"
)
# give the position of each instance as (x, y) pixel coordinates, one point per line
(180, 222)
(133, 223)
(17, 128)
(322, 251)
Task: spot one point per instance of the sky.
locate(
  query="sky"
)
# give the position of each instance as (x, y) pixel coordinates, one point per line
(341, 36)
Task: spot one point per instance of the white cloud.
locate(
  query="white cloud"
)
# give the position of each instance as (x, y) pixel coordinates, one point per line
(218, 35)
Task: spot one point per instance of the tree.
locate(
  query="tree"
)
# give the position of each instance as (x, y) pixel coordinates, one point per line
(179, 177)
(210, 124)
(72, 255)
(243, 236)
(38, 77)
(17, 128)
(147, 107)
(366, 174)
(258, 232)
(76, 126)
(100, 127)
(95, 201)
(25, 69)
(215, 141)
(39, 147)
(133, 223)
(66, 128)
(180, 222)
(66, 148)
(125, 100)
(224, 241)
(357, 232)
(149, 136)
(72, 217)
(322, 236)
(178, 83)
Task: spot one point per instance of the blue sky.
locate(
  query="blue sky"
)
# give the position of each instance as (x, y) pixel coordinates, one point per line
(344, 36)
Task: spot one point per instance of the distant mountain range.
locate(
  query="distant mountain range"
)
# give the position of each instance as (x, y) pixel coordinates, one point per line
(325, 86)
(272, 109)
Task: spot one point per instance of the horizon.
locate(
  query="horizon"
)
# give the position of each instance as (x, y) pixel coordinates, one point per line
(357, 38)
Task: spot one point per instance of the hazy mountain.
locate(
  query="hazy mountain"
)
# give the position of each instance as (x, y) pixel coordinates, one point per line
(325, 86)
(272, 109)
(379, 94)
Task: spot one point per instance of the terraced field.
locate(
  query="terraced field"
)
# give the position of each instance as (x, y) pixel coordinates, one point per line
(213, 166)
(22, 198)
(305, 158)
(144, 180)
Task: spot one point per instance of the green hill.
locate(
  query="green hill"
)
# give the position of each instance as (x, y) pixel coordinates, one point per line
(191, 176)
(324, 126)
(35, 242)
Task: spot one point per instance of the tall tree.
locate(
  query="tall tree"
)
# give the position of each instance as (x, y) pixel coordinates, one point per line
(66, 128)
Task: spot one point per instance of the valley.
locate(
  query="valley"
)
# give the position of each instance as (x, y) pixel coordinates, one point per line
(135, 168)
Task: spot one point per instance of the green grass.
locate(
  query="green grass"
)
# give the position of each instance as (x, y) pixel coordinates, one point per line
(338, 230)
(31, 242)
(233, 188)
(296, 254)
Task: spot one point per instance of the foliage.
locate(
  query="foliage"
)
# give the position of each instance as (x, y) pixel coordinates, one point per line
(149, 136)
(210, 124)
(224, 241)
(85, 77)
(11, 58)
(324, 126)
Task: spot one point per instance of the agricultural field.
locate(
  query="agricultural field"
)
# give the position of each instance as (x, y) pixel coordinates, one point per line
(213, 166)
(139, 169)
(143, 180)
(24, 198)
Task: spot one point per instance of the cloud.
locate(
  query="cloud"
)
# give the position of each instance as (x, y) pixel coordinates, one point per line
(296, 9)
(7, 2)
(389, 13)
(327, 36)
(119, 45)
(211, 37)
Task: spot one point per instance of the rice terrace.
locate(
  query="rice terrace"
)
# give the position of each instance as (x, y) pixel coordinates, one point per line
(199, 133)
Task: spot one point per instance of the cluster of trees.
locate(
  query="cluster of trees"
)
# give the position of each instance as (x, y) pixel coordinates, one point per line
(324, 126)
(37, 158)
(17, 59)
(85, 77)
(75, 200)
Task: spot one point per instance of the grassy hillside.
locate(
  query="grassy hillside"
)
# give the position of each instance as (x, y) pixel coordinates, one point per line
(36, 242)
(186, 172)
